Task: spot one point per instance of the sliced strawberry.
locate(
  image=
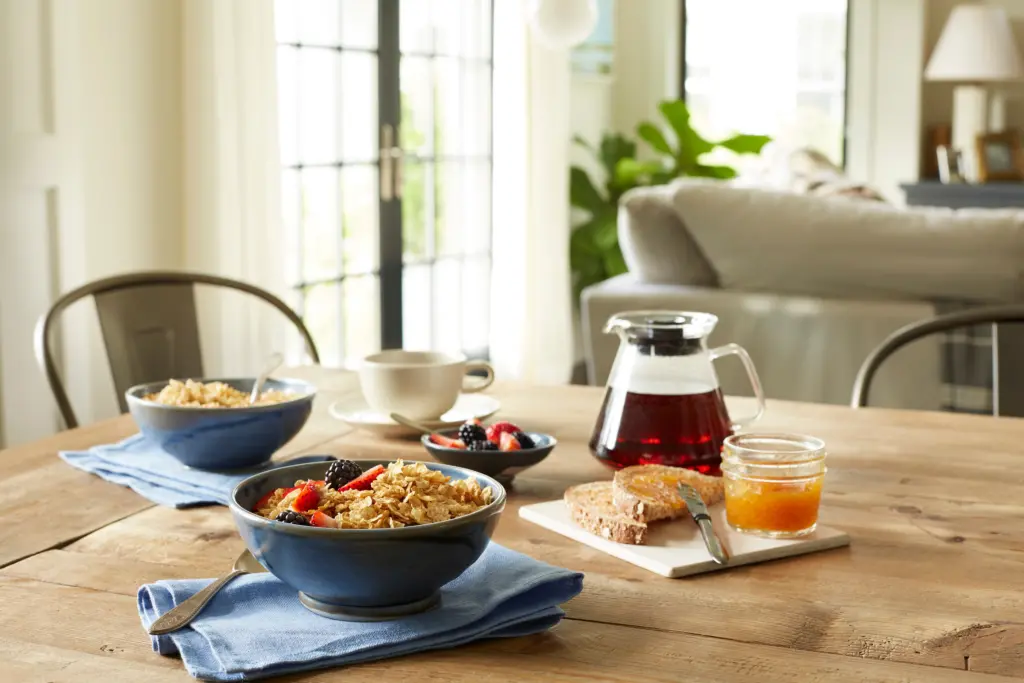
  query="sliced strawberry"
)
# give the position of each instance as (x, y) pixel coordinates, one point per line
(495, 431)
(307, 499)
(263, 501)
(323, 520)
(363, 481)
(508, 443)
(442, 440)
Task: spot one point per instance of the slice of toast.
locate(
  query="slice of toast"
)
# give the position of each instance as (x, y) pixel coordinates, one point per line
(592, 507)
(648, 493)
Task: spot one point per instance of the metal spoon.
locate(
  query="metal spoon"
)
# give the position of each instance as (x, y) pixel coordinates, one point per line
(413, 424)
(273, 363)
(183, 614)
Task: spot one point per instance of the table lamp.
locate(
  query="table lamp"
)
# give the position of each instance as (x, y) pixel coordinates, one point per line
(976, 47)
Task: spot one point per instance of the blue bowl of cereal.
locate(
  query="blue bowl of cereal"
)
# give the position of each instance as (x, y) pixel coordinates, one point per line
(367, 540)
(210, 425)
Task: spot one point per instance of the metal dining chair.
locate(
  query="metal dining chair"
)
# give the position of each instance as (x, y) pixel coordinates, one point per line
(150, 328)
(988, 315)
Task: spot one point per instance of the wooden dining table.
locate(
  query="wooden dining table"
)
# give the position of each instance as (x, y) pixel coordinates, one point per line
(931, 588)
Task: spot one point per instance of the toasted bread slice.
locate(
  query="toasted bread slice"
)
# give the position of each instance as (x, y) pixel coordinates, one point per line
(591, 507)
(648, 493)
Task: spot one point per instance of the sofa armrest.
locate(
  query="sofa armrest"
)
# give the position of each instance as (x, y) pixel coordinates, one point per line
(805, 349)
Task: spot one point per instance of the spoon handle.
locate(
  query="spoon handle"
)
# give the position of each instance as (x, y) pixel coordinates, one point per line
(273, 363)
(412, 424)
(183, 614)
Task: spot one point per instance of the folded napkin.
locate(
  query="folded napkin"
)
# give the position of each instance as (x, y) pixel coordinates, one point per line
(256, 627)
(145, 468)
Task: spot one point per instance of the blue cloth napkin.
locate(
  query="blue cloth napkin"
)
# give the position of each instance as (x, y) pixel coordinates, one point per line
(145, 468)
(256, 627)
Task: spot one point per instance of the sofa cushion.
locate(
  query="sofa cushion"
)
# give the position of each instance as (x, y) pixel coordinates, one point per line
(655, 244)
(771, 241)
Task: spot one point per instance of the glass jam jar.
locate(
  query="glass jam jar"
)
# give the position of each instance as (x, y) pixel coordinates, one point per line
(773, 483)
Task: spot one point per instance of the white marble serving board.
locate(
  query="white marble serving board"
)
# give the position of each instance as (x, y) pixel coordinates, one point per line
(675, 548)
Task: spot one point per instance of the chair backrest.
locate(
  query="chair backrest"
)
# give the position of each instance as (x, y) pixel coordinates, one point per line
(150, 328)
(988, 315)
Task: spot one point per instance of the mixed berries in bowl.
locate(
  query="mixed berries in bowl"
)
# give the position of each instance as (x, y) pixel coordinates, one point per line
(500, 450)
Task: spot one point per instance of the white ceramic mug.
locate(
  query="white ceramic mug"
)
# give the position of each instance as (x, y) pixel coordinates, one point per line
(420, 385)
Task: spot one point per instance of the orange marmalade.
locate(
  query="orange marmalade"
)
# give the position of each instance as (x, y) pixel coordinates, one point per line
(773, 483)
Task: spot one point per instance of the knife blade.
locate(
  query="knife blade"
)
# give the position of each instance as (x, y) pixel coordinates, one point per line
(699, 512)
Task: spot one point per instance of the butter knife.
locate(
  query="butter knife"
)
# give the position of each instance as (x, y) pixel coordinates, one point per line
(699, 512)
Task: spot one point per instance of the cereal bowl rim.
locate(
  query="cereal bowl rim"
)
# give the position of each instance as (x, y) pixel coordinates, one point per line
(494, 507)
(308, 394)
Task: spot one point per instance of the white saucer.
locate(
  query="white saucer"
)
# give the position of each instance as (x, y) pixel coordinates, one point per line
(355, 412)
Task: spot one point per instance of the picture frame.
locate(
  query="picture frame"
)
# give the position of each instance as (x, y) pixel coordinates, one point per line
(999, 157)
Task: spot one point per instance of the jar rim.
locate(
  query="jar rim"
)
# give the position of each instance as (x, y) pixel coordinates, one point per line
(780, 449)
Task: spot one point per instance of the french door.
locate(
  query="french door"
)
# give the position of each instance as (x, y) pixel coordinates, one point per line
(385, 112)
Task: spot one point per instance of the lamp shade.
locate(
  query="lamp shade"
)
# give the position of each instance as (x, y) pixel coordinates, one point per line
(562, 23)
(976, 46)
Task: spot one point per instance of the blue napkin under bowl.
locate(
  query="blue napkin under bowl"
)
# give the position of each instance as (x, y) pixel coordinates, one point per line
(256, 627)
(145, 468)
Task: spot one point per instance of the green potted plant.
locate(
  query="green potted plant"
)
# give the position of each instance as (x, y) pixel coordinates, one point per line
(594, 252)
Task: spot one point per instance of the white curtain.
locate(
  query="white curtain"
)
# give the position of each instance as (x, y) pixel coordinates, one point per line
(233, 174)
(531, 319)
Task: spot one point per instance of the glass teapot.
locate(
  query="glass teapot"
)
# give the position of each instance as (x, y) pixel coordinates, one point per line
(663, 404)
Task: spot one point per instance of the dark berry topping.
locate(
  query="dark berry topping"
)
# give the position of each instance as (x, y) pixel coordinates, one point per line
(482, 445)
(524, 440)
(341, 472)
(292, 517)
(470, 432)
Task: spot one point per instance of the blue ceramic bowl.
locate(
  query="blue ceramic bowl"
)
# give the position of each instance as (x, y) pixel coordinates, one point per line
(222, 438)
(363, 574)
(502, 465)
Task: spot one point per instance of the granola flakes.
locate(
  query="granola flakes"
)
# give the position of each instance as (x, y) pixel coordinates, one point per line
(193, 394)
(405, 494)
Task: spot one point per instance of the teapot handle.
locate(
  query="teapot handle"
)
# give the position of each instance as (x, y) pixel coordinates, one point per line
(755, 382)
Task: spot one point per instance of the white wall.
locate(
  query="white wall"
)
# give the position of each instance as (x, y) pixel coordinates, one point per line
(91, 150)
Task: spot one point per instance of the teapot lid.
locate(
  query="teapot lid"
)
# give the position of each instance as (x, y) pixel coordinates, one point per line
(662, 326)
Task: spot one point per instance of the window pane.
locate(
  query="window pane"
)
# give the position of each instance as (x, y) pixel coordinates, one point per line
(416, 34)
(463, 207)
(288, 104)
(359, 23)
(291, 220)
(416, 297)
(360, 227)
(361, 317)
(321, 315)
(794, 91)
(321, 225)
(319, 23)
(463, 108)
(476, 297)
(358, 98)
(286, 21)
(417, 102)
(417, 210)
(447, 310)
(318, 110)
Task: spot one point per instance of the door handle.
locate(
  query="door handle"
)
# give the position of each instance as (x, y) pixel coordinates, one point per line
(390, 164)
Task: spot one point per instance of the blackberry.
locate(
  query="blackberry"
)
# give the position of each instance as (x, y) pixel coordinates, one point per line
(292, 517)
(341, 472)
(524, 440)
(471, 432)
(482, 445)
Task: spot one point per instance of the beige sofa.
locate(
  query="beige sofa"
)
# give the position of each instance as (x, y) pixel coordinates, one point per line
(808, 285)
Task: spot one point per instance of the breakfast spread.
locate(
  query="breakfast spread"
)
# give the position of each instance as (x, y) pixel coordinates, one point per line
(620, 510)
(193, 394)
(474, 436)
(398, 495)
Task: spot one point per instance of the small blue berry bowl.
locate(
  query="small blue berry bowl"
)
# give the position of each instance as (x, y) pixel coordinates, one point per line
(502, 465)
(364, 574)
(222, 439)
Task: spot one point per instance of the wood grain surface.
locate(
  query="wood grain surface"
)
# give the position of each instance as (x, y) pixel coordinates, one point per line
(931, 589)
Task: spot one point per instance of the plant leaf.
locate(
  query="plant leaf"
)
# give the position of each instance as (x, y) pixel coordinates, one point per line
(582, 142)
(583, 194)
(720, 172)
(745, 144)
(650, 133)
(633, 172)
(614, 148)
(691, 144)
